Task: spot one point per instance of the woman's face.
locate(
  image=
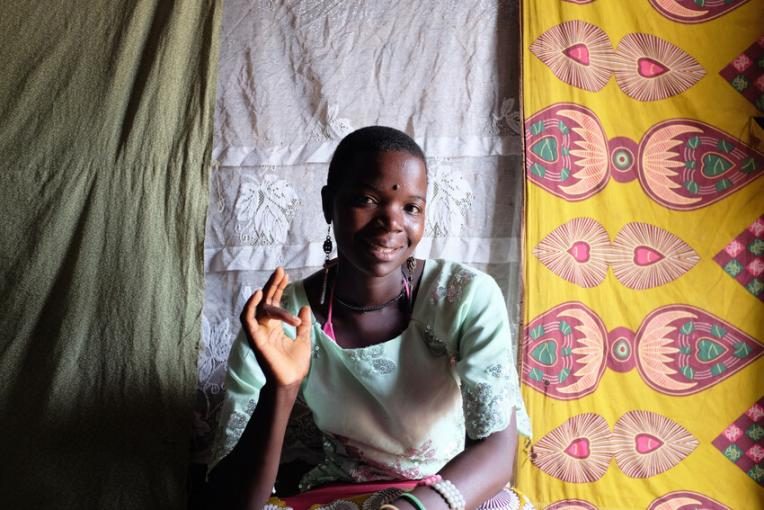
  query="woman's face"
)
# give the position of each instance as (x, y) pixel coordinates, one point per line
(378, 211)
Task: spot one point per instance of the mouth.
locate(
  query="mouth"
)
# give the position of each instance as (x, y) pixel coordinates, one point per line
(383, 249)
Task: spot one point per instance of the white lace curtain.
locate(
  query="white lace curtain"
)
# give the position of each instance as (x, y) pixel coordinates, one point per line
(295, 77)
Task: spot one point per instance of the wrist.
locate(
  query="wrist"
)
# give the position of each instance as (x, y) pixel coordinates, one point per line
(430, 499)
(280, 394)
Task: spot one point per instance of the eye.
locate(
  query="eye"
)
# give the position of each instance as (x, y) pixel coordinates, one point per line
(413, 208)
(363, 200)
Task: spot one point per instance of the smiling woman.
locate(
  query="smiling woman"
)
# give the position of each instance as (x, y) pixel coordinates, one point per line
(405, 365)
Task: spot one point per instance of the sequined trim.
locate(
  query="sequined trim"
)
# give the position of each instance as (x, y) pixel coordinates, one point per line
(232, 430)
(485, 409)
(370, 361)
(437, 346)
(496, 370)
(454, 289)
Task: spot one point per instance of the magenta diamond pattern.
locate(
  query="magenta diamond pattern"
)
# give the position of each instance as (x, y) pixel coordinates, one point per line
(742, 442)
(746, 73)
(743, 258)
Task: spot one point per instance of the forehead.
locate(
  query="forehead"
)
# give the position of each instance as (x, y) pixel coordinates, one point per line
(402, 167)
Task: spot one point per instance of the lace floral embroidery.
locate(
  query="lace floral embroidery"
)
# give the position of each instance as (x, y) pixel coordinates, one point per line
(437, 346)
(497, 370)
(264, 210)
(370, 360)
(212, 363)
(233, 430)
(500, 370)
(508, 119)
(485, 409)
(449, 200)
(303, 439)
(452, 292)
(368, 469)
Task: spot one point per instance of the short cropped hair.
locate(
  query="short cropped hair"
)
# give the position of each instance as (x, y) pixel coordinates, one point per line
(369, 140)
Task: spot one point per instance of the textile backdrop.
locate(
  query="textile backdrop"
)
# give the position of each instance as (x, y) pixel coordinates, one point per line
(644, 248)
(295, 77)
(105, 144)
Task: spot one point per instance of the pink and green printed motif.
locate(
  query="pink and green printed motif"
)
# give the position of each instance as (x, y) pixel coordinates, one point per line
(567, 151)
(682, 350)
(743, 258)
(746, 73)
(687, 164)
(566, 352)
(742, 442)
(678, 350)
(685, 500)
(695, 11)
(683, 164)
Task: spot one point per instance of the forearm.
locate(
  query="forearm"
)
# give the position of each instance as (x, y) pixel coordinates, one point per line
(244, 479)
(479, 472)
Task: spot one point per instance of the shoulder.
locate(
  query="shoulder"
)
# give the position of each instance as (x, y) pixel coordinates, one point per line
(294, 296)
(454, 283)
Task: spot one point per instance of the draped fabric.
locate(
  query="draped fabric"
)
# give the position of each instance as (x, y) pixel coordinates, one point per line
(295, 77)
(644, 254)
(105, 145)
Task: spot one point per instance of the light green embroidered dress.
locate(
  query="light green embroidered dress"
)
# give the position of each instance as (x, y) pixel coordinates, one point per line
(398, 409)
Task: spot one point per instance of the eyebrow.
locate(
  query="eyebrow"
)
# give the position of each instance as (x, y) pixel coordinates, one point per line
(374, 188)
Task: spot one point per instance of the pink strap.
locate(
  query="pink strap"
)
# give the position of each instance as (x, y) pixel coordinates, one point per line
(328, 328)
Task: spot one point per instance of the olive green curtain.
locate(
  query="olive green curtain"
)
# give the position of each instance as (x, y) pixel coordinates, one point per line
(105, 139)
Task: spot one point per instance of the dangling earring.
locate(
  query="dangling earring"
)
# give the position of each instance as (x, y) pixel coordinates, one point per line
(327, 250)
(411, 268)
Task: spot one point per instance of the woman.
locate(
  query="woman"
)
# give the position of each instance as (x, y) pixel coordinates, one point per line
(405, 365)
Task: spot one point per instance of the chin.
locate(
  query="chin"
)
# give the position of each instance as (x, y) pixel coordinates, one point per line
(378, 268)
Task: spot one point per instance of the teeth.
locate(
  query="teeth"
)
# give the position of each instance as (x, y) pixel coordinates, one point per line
(383, 251)
(386, 249)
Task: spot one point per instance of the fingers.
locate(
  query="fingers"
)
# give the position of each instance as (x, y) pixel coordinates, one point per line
(280, 289)
(248, 314)
(265, 311)
(275, 286)
(303, 329)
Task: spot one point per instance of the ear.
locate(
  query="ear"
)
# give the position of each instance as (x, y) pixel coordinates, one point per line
(327, 203)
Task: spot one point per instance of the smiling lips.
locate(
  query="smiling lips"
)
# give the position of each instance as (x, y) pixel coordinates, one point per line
(383, 249)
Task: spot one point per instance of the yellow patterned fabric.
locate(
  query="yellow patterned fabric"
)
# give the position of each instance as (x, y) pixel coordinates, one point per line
(644, 254)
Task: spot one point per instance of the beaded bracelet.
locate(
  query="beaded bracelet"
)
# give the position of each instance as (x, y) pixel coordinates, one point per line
(413, 500)
(429, 480)
(450, 493)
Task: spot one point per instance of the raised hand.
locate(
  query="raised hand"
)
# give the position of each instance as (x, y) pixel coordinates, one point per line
(284, 361)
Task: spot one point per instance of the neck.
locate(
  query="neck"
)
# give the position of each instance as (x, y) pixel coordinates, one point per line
(363, 289)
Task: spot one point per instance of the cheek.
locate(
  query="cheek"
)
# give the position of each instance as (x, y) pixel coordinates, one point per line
(347, 222)
(416, 228)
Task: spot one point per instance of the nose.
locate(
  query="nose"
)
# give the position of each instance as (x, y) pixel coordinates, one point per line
(390, 217)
